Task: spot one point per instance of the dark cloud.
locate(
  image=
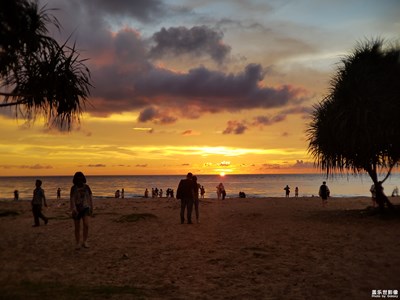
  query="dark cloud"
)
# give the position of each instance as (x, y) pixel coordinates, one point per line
(125, 78)
(198, 40)
(239, 127)
(142, 166)
(148, 114)
(214, 91)
(265, 121)
(235, 127)
(156, 116)
(300, 164)
(96, 166)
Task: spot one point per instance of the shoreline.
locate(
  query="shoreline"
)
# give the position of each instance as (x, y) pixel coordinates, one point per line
(332, 198)
(243, 248)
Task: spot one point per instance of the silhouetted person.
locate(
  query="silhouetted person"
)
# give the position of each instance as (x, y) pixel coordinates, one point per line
(395, 192)
(202, 192)
(287, 191)
(37, 201)
(324, 193)
(185, 193)
(221, 193)
(58, 194)
(81, 206)
(16, 195)
(196, 197)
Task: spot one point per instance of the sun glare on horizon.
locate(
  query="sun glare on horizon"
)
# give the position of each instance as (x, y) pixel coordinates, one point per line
(222, 174)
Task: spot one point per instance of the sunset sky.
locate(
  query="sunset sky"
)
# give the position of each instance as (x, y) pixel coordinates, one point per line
(202, 86)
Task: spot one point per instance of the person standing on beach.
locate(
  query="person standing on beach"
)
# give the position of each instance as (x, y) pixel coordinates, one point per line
(223, 191)
(185, 193)
(287, 191)
(81, 206)
(324, 193)
(202, 192)
(38, 198)
(296, 192)
(16, 195)
(58, 193)
(196, 197)
(218, 191)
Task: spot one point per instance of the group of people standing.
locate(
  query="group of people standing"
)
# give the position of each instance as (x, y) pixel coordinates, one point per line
(81, 203)
(323, 192)
(188, 193)
(221, 193)
(287, 191)
(81, 206)
(158, 193)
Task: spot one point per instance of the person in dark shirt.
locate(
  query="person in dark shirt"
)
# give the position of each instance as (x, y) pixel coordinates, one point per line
(324, 193)
(185, 193)
(81, 204)
(37, 201)
(196, 198)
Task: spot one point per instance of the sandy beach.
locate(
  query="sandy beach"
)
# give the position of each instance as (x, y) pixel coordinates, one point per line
(265, 248)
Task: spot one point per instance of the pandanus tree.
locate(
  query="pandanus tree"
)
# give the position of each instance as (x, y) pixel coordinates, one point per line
(356, 127)
(39, 77)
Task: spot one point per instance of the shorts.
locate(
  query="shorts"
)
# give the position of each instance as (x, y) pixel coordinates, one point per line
(82, 213)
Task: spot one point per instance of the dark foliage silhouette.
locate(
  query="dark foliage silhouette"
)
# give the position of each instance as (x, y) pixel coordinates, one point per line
(356, 127)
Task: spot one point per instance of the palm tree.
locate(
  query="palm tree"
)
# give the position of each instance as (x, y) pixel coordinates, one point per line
(356, 127)
(39, 76)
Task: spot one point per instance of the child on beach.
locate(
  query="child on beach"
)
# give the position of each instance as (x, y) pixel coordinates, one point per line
(81, 207)
(202, 192)
(38, 197)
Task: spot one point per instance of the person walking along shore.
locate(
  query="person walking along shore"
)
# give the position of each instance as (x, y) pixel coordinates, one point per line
(38, 197)
(81, 206)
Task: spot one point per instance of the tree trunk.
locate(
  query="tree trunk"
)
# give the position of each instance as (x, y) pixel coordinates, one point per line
(381, 198)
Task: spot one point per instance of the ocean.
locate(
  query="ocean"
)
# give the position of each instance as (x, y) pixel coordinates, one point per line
(253, 185)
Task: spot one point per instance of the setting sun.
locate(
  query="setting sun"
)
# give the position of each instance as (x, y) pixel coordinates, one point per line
(222, 174)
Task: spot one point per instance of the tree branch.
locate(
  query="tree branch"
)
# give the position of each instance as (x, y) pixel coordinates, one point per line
(390, 170)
